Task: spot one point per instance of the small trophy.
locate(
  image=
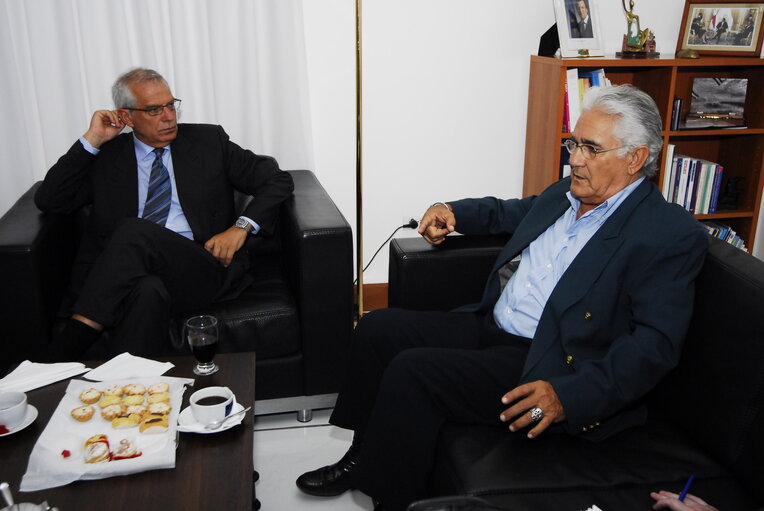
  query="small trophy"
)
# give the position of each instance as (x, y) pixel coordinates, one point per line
(637, 43)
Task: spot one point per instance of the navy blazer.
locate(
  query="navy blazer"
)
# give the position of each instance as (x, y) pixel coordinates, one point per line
(208, 168)
(616, 321)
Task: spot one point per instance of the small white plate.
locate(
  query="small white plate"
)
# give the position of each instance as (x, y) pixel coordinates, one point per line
(188, 424)
(28, 419)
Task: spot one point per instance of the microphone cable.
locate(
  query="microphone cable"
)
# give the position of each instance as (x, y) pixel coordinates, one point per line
(412, 224)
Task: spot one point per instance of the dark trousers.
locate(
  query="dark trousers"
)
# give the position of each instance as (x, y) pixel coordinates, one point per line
(409, 373)
(145, 274)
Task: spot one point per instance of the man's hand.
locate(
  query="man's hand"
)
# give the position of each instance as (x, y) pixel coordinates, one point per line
(438, 221)
(539, 394)
(223, 246)
(668, 500)
(104, 125)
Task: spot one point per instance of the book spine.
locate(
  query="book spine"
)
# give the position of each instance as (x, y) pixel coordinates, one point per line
(717, 188)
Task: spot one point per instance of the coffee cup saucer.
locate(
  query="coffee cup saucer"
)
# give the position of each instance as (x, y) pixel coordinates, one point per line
(188, 424)
(29, 418)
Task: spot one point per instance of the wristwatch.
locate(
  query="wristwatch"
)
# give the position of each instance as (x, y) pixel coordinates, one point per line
(242, 223)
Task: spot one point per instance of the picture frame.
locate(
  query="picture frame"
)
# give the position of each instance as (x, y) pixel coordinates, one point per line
(722, 27)
(578, 27)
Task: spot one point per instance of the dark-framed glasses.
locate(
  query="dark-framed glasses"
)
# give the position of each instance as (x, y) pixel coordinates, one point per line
(158, 109)
(587, 150)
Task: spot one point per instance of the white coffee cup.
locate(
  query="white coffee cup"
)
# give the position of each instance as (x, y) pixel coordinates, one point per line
(211, 404)
(13, 408)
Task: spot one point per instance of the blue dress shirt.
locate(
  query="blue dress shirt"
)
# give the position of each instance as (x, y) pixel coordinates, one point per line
(543, 262)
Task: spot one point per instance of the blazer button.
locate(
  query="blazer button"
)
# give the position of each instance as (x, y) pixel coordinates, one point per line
(569, 359)
(588, 315)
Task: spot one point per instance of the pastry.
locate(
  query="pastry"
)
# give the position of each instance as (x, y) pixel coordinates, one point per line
(114, 390)
(97, 449)
(131, 400)
(154, 424)
(111, 412)
(159, 408)
(137, 409)
(159, 397)
(83, 413)
(134, 389)
(126, 421)
(109, 400)
(125, 449)
(90, 396)
(159, 387)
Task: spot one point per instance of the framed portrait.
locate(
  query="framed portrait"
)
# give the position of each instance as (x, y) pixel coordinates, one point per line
(578, 27)
(722, 27)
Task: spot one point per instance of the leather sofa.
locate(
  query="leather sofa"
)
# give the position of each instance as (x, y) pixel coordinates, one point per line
(705, 418)
(297, 315)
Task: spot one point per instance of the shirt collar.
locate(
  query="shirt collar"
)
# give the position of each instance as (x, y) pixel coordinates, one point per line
(143, 150)
(611, 203)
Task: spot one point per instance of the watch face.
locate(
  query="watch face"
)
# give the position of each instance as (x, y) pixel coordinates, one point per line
(241, 223)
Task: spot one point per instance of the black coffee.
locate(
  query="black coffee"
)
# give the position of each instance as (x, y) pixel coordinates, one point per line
(211, 400)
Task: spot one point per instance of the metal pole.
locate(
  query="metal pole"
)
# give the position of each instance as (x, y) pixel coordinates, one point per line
(359, 159)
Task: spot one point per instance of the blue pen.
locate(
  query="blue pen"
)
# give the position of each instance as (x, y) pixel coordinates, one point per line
(686, 488)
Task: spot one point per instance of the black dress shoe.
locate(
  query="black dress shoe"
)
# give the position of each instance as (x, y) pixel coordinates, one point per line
(331, 480)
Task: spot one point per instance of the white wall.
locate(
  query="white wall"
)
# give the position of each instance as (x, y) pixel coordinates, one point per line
(444, 104)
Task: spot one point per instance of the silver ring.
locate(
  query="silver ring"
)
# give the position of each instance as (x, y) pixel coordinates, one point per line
(536, 413)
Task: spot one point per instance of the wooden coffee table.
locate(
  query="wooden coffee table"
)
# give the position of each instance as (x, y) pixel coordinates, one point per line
(213, 471)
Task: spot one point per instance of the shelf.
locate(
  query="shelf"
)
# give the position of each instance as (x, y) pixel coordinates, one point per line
(740, 150)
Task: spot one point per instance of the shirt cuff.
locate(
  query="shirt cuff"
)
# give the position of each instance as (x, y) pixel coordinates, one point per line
(255, 227)
(89, 148)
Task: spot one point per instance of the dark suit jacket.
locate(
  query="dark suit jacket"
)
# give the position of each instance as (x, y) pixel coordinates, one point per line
(615, 323)
(208, 168)
(585, 31)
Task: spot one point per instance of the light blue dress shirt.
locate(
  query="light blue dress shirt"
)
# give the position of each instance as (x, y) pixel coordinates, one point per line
(544, 261)
(176, 219)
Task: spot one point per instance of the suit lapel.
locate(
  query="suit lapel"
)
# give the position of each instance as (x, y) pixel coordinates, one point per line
(185, 163)
(582, 273)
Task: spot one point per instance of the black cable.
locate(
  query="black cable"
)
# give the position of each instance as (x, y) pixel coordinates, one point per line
(412, 224)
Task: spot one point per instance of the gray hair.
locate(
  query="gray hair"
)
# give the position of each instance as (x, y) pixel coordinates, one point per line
(638, 121)
(120, 91)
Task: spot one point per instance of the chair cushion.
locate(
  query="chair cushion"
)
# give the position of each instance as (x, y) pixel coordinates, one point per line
(263, 318)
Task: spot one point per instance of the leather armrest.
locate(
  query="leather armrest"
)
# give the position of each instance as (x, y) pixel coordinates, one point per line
(318, 250)
(443, 277)
(36, 255)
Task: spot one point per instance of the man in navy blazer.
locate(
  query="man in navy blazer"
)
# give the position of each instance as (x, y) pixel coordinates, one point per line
(568, 338)
(163, 235)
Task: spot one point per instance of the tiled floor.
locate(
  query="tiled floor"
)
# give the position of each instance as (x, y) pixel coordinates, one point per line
(285, 448)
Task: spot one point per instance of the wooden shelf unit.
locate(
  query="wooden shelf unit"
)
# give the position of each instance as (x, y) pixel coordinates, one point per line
(739, 151)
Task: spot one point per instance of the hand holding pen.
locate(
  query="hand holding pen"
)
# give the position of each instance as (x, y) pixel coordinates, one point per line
(669, 500)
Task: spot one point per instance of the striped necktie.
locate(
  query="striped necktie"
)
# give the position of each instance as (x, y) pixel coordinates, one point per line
(160, 191)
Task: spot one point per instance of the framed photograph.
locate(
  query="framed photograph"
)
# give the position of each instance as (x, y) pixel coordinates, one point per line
(578, 26)
(721, 27)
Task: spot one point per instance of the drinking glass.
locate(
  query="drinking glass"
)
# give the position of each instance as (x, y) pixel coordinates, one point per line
(202, 335)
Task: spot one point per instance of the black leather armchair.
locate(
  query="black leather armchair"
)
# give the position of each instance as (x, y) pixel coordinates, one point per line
(297, 315)
(705, 418)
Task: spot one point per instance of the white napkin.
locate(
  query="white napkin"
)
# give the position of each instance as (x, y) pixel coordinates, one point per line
(126, 365)
(32, 375)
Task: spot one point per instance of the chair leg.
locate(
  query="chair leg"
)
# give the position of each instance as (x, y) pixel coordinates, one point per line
(255, 502)
(304, 415)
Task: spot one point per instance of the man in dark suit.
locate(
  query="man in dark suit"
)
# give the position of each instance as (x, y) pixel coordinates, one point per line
(584, 21)
(593, 316)
(163, 235)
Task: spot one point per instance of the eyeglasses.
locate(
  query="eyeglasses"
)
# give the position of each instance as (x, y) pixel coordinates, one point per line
(587, 150)
(156, 110)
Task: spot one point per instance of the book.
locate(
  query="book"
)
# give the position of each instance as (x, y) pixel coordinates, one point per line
(676, 113)
(668, 175)
(574, 106)
(716, 189)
